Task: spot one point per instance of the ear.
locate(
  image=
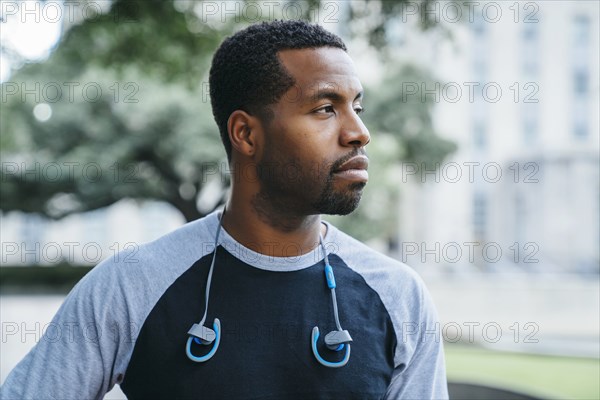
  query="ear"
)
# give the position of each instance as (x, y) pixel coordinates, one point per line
(244, 132)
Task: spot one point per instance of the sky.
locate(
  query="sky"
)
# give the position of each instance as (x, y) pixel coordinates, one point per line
(30, 28)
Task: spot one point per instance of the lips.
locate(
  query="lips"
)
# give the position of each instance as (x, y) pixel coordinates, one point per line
(358, 162)
(354, 169)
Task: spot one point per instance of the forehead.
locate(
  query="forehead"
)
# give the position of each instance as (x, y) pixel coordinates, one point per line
(322, 69)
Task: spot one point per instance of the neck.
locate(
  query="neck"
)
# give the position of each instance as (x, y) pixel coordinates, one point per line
(268, 230)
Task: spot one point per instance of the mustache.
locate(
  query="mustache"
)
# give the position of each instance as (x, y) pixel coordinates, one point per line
(340, 161)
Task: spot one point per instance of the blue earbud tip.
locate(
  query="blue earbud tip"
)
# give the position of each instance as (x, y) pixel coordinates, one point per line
(340, 347)
(197, 340)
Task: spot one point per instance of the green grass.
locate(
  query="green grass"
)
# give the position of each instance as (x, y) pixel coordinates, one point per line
(545, 376)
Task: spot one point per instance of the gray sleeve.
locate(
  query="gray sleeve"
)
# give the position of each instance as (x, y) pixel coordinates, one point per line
(78, 355)
(86, 348)
(424, 376)
(419, 366)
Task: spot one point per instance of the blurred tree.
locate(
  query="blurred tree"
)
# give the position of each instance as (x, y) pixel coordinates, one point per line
(126, 112)
(130, 115)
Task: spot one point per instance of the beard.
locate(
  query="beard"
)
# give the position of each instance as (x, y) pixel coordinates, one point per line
(289, 187)
(334, 202)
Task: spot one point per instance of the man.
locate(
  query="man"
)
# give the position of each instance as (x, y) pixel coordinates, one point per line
(243, 304)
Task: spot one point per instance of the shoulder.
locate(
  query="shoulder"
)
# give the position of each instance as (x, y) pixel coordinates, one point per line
(119, 281)
(400, 288)
(385, 274)
(167, 256)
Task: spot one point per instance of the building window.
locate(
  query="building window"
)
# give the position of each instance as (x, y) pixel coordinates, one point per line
(530, 122)
(582, 29)
(530, 69)
(530, 50)
(480, 46)
(580, 76)
(580, 128)
(479, 64)
(479, 26)
(479, 135)
(520, 217)
(479, 216)
(581, 82)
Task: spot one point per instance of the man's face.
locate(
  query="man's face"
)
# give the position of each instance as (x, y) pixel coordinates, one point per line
(313, 159)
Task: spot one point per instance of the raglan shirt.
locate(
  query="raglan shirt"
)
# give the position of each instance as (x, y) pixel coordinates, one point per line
(126, 323)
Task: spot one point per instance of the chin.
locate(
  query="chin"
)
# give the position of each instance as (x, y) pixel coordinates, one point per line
(341, 203)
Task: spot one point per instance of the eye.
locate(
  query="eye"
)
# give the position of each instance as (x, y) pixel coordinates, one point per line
(359, 110)
(325, 110)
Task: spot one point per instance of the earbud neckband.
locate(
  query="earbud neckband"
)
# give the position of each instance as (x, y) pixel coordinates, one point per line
(335, 341)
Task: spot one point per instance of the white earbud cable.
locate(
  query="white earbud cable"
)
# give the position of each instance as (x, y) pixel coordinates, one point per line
(210, 272)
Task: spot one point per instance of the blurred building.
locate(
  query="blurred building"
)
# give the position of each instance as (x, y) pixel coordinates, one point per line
(86, 238)
(519, 94)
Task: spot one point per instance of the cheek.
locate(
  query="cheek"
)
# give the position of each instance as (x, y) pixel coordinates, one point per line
(304, 140)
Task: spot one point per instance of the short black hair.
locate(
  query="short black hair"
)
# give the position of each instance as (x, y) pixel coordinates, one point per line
(246, 73)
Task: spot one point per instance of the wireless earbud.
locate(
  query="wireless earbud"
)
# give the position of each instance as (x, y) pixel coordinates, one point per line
(200, 334)
(337, 340)
(338, 347)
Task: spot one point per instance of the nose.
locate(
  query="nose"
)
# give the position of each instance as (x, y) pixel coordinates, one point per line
(353, 132)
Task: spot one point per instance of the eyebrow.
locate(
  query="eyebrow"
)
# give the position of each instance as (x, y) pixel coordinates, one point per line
(333, 96)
